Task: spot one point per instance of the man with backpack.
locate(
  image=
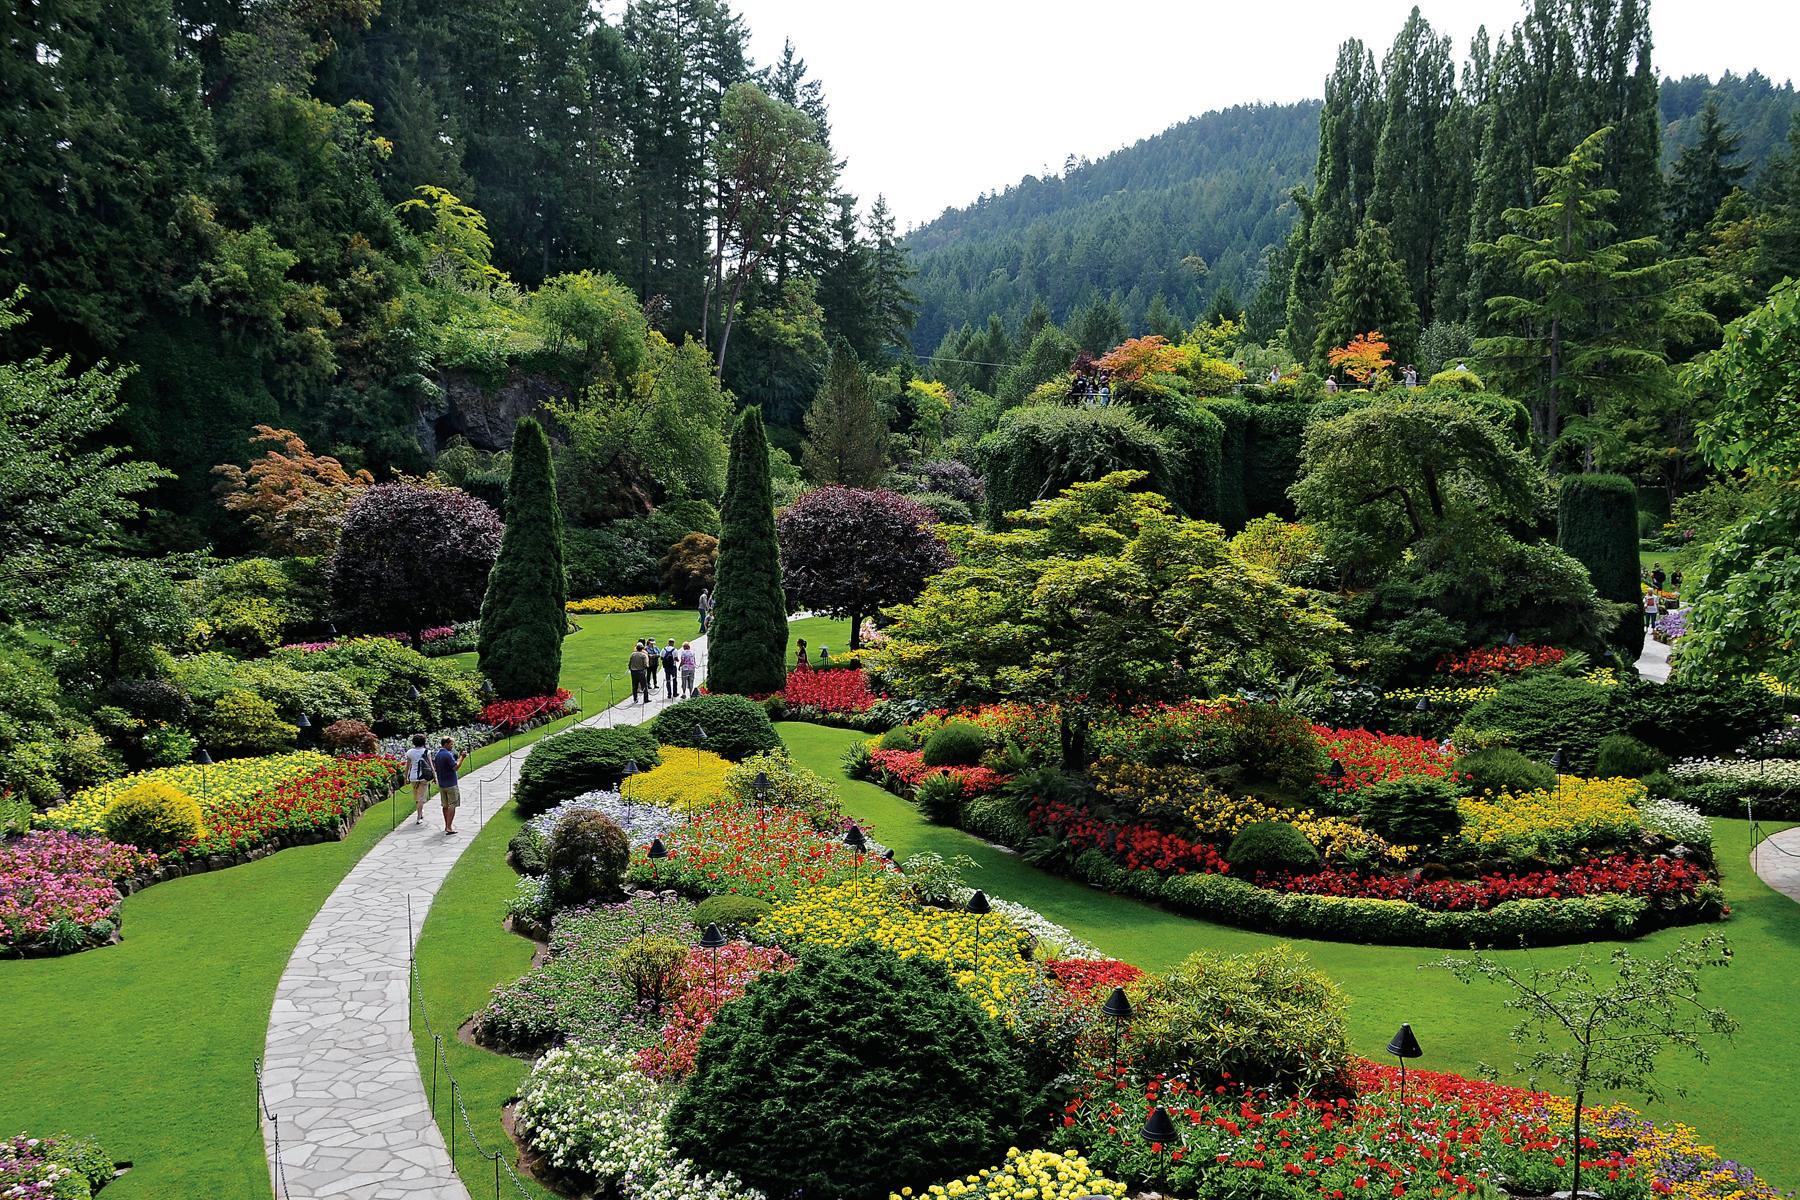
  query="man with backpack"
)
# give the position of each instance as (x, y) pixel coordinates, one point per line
(639, 666)
(670, 661)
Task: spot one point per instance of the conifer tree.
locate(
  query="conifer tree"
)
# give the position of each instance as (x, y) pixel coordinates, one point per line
(748, 637)
(846, 438)
(1369, 290)
(522, 619)
(1704, 174)
(1596, 522)
(1416, 169)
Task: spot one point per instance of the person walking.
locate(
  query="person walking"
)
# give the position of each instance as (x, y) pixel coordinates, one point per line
(651, 661)
(1675, 583)
(447, 762)
(801, 663)
(706, 607)
(639, 665)
(688, 664)
(1652, 608)
(418, 773)
(1656, 576)
(669, 661)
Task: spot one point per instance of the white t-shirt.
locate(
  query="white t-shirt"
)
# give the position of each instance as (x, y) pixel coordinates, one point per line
(413, 756)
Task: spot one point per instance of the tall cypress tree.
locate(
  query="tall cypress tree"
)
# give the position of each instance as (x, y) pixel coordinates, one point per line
(1369, 291)
(748, 641)
(1596, 522)
(522, 618)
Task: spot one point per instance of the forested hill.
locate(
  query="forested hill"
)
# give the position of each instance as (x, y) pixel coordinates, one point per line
(1214, 187)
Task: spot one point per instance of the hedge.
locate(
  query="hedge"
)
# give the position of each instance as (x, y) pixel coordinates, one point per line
(1596, 522)
(1272, 442)
(1234, 508)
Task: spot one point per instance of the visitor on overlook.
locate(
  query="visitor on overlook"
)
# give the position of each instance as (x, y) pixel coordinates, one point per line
(688, 664)
(1675, 583)
(800, 660)
(1103, 393)
(639, 665)
(1274, 374)
(669, 661)
(447, 762)
(1410, 376)
(705, 606)
(651, 661)
(1331, 385)
(418, 773)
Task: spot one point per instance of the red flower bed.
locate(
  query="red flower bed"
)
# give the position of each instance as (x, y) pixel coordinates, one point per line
(512, 714)
(908, 766)
(310, 804)
(1134, 847)
(770, 853)
(1084, 976)
(1498, 660)
(836, 691)
(708, 981)
(1372, 758)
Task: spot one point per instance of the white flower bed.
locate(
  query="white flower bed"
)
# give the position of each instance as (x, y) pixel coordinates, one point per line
(641, 822)
(1678, 822)
(1762, 773)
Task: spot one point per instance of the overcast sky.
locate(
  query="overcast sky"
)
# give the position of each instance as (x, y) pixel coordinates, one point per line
(934, 101)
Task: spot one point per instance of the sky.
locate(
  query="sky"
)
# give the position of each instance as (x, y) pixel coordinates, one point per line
(934, 101)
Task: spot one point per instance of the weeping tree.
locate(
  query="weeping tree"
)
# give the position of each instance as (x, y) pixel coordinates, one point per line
(522, 618)
(748, 638)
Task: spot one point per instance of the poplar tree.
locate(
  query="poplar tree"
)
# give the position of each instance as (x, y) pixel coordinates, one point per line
(522, 619)
(1416, 163)
(748, 637)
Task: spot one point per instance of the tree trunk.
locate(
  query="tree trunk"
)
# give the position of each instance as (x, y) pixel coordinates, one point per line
(1073, 729)
(856, 631)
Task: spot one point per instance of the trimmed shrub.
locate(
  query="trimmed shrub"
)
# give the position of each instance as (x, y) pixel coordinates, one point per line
(241, 724)
(587, 859)
(1272, 846)
(581, 760)
(956, 744)
(648, 967)
(527, 850)
(781, 1092)
(1234, 416)
(689, 566)
(1266, 1020)
(1038, 450)
(1623, 756)
(731, 912)
(899, 738)
(1272, 444)
(1414, 810)
(735, 727)
(154, 816)
(790, 786)
(1698, 719)
(1503, 769)
(1540, 714)
(748, 640)
(1596, 522)
(412, 556)
(522, 621)
(349, 737)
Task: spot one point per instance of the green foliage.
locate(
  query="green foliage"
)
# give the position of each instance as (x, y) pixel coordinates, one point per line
(522, 619)
(1412, 811)
(732, 913)
(1699, 716)
(528, 850)
(790, 786)
(1502, 769)
(251, 604)
(1540, 714)
(736, 727)
(748, 636)
(1272, 846)
(646, 966)
(1596, 521)
(1623, 756)
(899, 738)
(781, 1093)
(586, 860)
(956, 744)
(1369, 293)
(241, 723)
(584, 759)
(690, 567)
(846, 438)
(1037, 451)
(121, 613)
(380, 673)
(32, 727)
(1265, 1020)
(155, 816)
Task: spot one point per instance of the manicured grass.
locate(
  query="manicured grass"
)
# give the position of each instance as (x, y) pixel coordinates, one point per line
(603, 644)
(1741, 1102)
(819, 632)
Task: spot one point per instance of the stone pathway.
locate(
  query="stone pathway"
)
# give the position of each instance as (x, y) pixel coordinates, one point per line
(1776, 861)
(1653, 664)
(338, 1064)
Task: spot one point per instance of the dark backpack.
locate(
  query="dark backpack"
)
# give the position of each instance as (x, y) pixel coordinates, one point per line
(424, 770)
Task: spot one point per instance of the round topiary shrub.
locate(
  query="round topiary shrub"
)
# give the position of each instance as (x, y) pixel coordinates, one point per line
(1265, 1020)
(154, 816)
(853, 1075)
(241, 723)
(790, 786)
(1414, 810)
(898, 738)
(648, 967)
(1272, 846)
(527, 850)
(1501, 769)
(730, 912)
(735, 727)
(349, 737)
(1622, 756)
(956, 744)
(587, 859)
(579, 761)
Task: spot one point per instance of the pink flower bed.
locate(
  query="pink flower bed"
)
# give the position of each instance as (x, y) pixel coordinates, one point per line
(908, 766)
(709, 980)
(52, 875)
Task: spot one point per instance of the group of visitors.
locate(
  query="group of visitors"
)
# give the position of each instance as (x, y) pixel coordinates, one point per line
(1409, 377)
(1655, 604)
(425, 766)
(646, 662)
(1092, 389)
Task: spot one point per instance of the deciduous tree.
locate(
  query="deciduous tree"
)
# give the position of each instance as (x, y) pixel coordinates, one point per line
(292, 498)
(412, 556)
(851, 552)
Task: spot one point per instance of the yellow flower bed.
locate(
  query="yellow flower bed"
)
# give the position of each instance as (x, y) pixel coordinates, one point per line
(864, 911)
(1026, 1175)
(612, 604)
(1448, 697)
(685, 780)
(231, 779)
(1774, 684)
(1580, 815)
(1216, 816)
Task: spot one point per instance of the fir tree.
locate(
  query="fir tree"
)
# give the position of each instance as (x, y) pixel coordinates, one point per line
(1097, 326)
(1369, 291)
(748, 639)
(522, 619)
(1159, 320)
(846, 438)
(1704, 175)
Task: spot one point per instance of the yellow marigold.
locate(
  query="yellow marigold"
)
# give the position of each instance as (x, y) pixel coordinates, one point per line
(1578, 813)
(1033, 1174)
(684, 780)
(612, 604)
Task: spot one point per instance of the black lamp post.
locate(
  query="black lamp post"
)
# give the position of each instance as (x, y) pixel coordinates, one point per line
(1403, 1047)
(713, 940)
(205, 761)
(331, 629)
(625, 773)
(1159, 1127)
(302, 723)
(1337, 771)
(853, 838)
(1424, 705)
(412, 689)
(761, 786)
(1512, 639)
(699, 736)
(978, 907)
(1118, 1009)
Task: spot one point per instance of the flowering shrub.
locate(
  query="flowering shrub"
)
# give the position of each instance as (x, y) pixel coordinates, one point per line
(1490, 661)
(1671, 626)
(706, 982)
(50, 879)
(615, 604)
(1043, 1174)
(983, 954)
(236, 779)
(790, 786)
(1133, 847)
(770, 853)
(829, 691)
(516, 714)
(1083, 976)
(1372, 758)
(1618, 874)
(52, 1168)
(1677, 822)
(1565, 822)
(908, 767)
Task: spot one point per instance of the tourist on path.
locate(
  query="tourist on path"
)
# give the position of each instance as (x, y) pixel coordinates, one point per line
(706, 607)
(1675, 582)
(1656, 576)
(688, 664)
(651, 659)
(447, 761)
(418, 773)
(639, 666)
(669, 661)
(1652, 608)
(800, 660)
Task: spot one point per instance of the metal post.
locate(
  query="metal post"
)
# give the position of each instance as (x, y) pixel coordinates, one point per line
(455, 1099)
(437, 1047)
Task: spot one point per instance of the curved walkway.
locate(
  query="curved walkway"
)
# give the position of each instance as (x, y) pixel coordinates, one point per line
(338, 1064)
(1776, 861)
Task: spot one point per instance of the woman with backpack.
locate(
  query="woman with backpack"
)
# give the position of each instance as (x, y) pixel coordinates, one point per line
(418, 773)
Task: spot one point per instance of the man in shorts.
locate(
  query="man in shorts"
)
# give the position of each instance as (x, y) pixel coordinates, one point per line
(446, 762)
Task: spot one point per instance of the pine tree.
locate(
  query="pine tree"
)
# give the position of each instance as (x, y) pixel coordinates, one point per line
(1369, 291)
(1097, 326)
(846, 438)
(748, 639)
(1159, 320)
(522, 619)
(1704, 175)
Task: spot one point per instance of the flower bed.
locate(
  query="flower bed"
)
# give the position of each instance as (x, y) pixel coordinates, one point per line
(1671, 626)
(1570, 821)
(684, 780)
(435, 642)
(52, 1168)
(233, 780)
(512, 715)
(769, 853)
(706, 982)
(59, 893)
(1040, 1174)
(615, 604)
(1660, 879)
(1372, 758)
(1489, 662)
(907, 767)
(1720, 787)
